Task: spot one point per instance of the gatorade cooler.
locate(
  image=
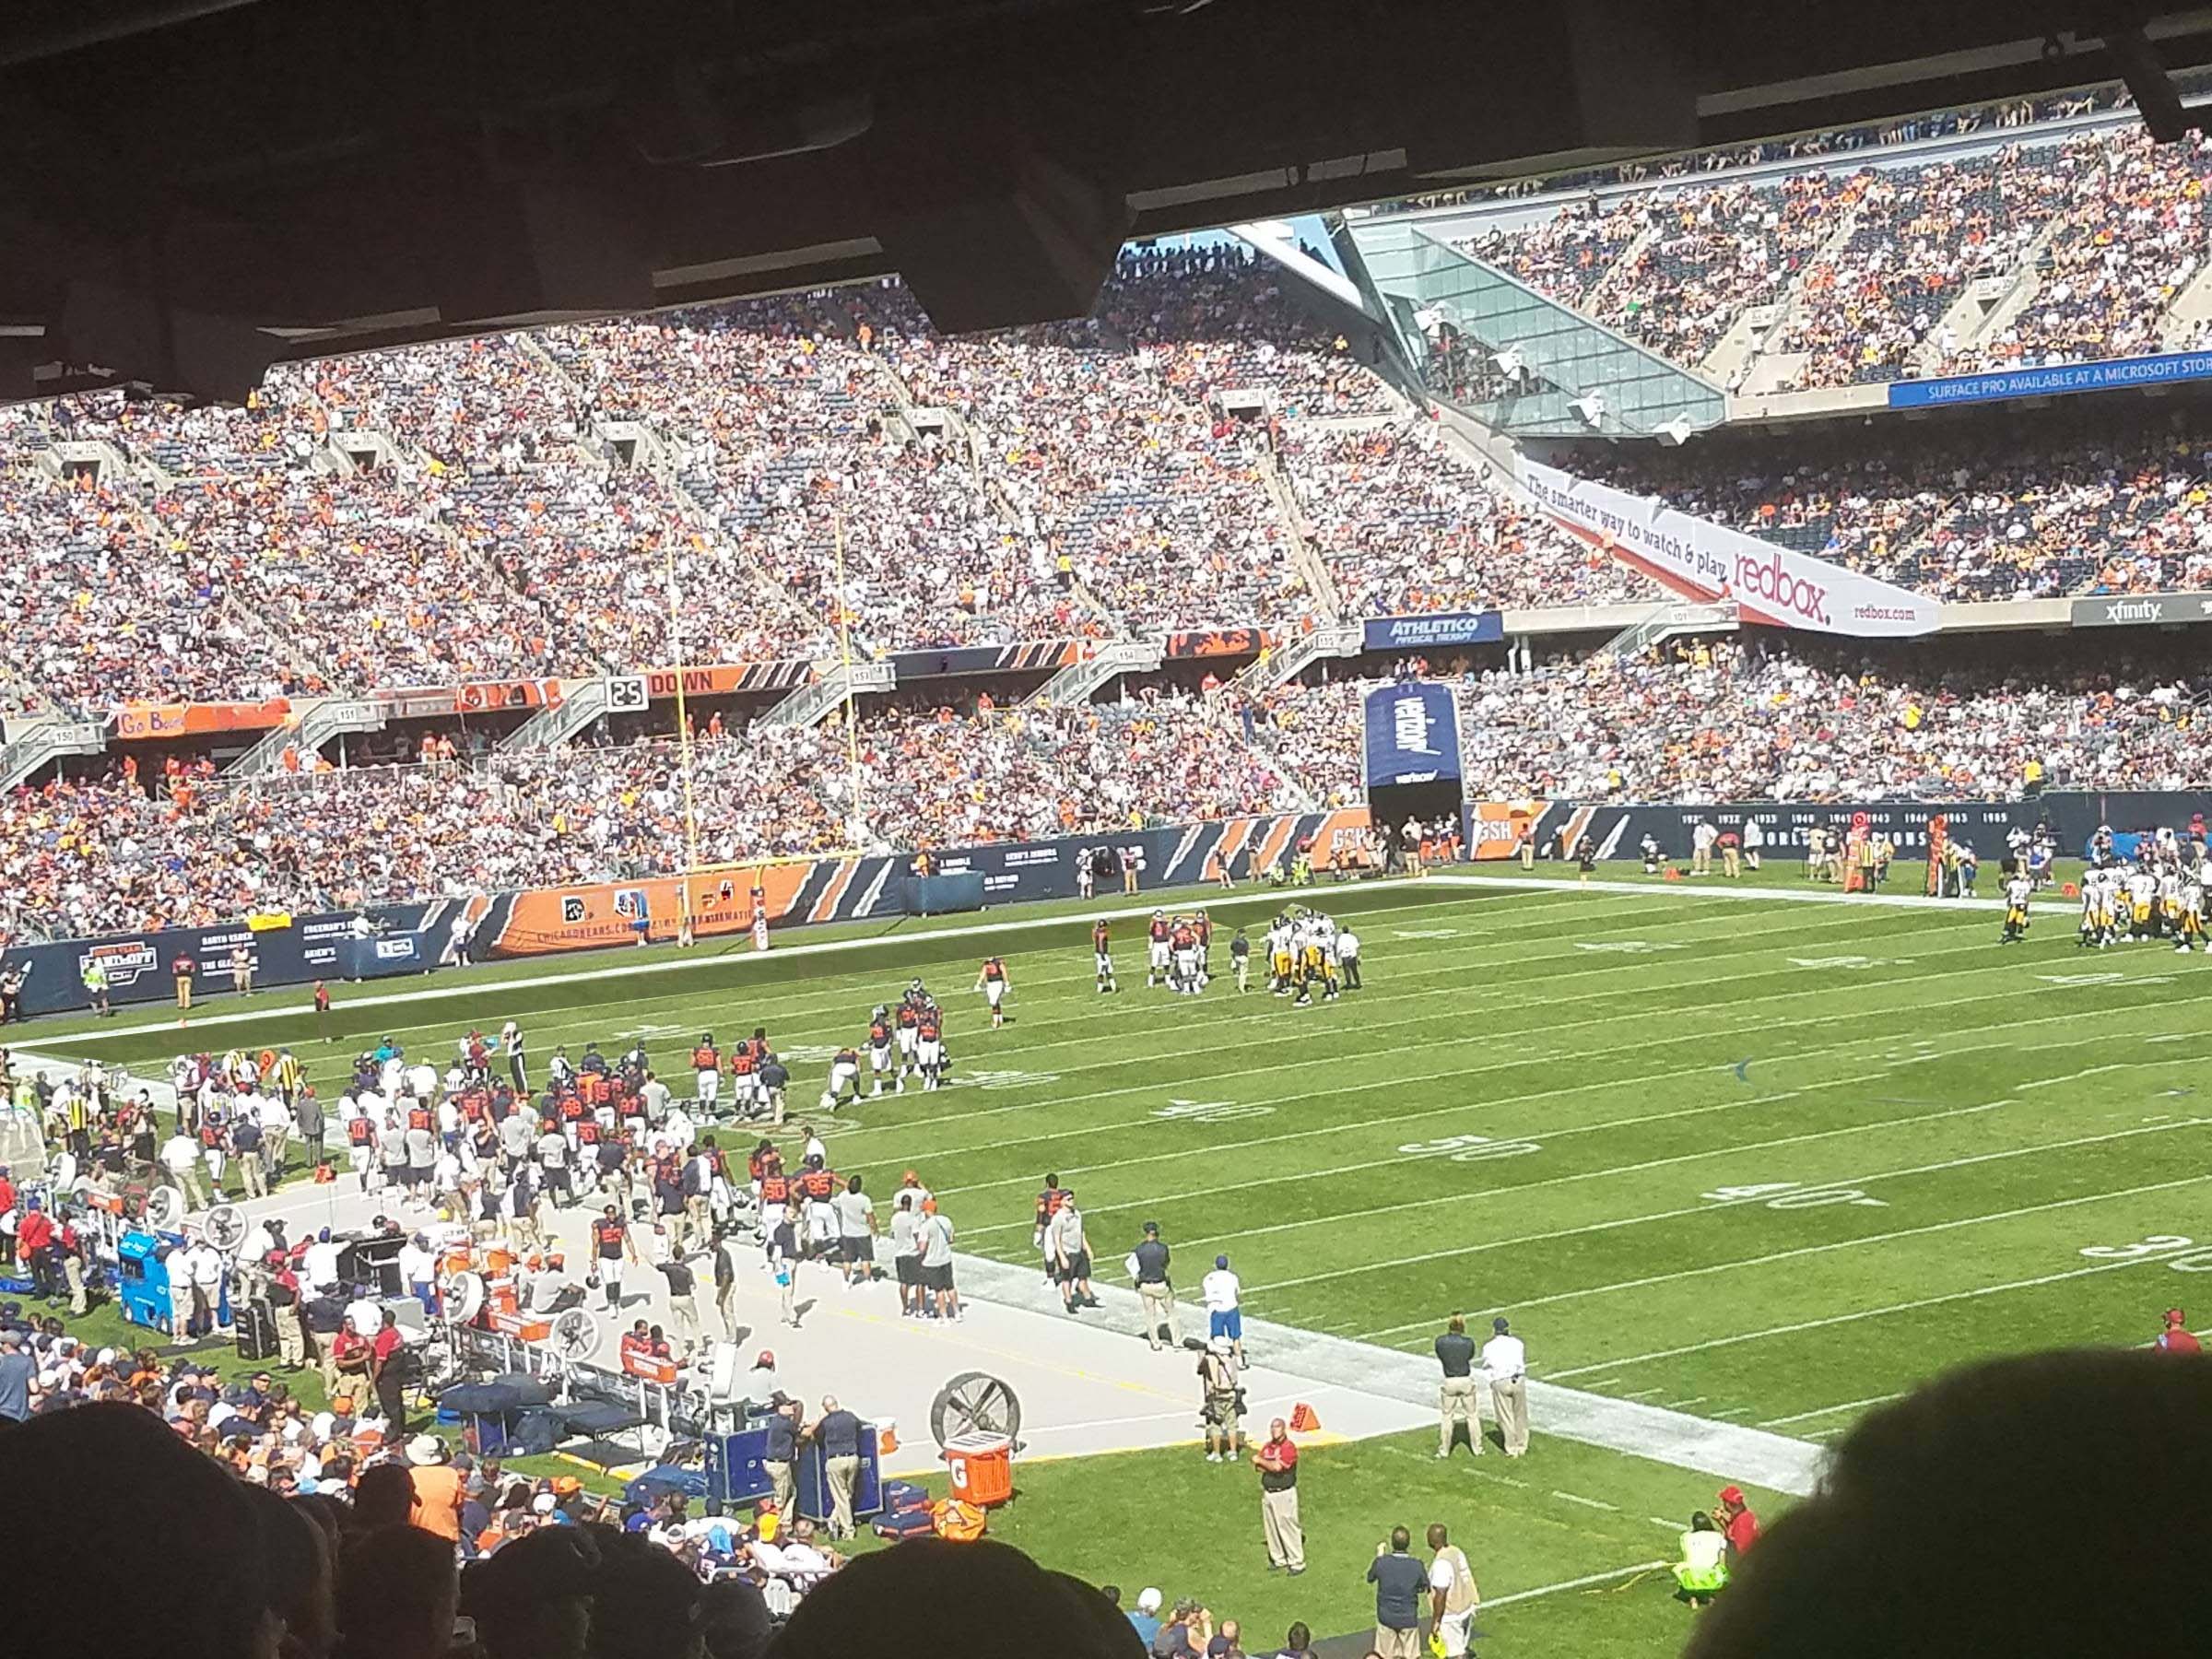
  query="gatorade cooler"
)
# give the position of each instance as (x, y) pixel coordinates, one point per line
(981, 1467)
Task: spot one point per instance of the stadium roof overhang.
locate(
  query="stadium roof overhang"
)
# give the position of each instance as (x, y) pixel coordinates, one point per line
(190, 189)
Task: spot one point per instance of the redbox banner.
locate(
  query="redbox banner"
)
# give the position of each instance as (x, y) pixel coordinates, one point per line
(1706, 560)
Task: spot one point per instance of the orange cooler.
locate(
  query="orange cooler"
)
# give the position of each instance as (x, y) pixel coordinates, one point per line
(981, 1467)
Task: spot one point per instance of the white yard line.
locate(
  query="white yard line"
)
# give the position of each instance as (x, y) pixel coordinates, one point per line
(1586, 1503)
(2011, 995)
(1813, 1250)
(1721, 1204)
(1806, 1416)
(1576, 1583)
(1852, 1318)
(1075, 920)
(1992, 906)
(1642, 1167)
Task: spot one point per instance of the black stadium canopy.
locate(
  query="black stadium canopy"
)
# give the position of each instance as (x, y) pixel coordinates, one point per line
(192, 189)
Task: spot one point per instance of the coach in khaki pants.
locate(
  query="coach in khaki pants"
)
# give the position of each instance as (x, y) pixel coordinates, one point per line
(1457, 1401)
(1149, 1265)
(1506, 1361)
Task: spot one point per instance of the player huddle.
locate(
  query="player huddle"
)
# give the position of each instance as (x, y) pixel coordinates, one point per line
(2160, 895)
(1178, 951)
(1308, 950)
(904, 1040)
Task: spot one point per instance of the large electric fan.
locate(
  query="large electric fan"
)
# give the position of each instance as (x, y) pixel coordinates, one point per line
(726, 1381)
(225, 1228)
(576, 1335)
(464, 1298)
(974, 1402)
(164, 1209)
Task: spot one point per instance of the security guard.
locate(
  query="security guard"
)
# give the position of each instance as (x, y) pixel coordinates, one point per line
(1153, 1289)
(1457, 1401)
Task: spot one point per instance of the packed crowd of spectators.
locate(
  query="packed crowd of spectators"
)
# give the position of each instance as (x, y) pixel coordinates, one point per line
(1984, 512)
(1099, 450)
(2121, 214)
(1088, 482)
(1406, 524)
(85, 857)
(2132, 239)
(1710, 252)
(105, 610)
(1720, 722)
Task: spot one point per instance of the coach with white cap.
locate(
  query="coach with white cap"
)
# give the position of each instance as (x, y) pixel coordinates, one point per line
(1506, 1363)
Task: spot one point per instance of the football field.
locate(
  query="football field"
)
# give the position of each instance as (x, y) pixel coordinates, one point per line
(1760, 1159)
(1765, 1158)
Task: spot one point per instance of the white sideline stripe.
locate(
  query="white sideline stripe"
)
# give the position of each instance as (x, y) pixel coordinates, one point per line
(2010, 994)
(1722, 1204)
(927, 936)
(936, 935)
(1577, 1583)
(1804, 1417)
(1727, 1451)
(1990, 906)
(1838, 1319)
(1809, 1249)
(1587, 1503)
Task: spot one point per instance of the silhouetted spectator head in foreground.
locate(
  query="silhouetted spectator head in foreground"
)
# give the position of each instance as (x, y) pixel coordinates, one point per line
(396, 1595)
(645, 1603)
(383, 1496)
(302, 1575)
(981, 1600)
(735, 1617)
(2054, 1503)
(531, 1598)
(137, 1496)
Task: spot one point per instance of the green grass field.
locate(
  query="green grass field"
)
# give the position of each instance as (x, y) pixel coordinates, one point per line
(1760, 1160)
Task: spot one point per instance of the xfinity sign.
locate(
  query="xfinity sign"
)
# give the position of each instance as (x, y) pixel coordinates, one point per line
(2140, 610)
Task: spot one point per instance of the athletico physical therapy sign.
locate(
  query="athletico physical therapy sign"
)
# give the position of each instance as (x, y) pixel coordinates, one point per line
(1706, 560)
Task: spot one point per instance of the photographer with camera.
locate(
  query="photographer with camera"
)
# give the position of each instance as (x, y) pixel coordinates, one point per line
(1223, 1403)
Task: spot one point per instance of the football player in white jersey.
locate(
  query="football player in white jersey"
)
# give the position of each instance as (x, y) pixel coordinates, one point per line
(2017, 887)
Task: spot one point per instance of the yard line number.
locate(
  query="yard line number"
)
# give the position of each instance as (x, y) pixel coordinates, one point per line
(1469, 1148)
(1791, 1195)
(2184, 1255)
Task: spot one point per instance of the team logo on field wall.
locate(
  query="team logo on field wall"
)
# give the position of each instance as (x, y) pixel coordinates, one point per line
(125, 960)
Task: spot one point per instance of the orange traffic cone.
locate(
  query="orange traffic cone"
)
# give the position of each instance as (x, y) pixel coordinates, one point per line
(1302, 1418)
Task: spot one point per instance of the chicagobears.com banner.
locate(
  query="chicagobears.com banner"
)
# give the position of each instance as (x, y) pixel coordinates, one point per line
(1412, 735)
(1697, 557)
